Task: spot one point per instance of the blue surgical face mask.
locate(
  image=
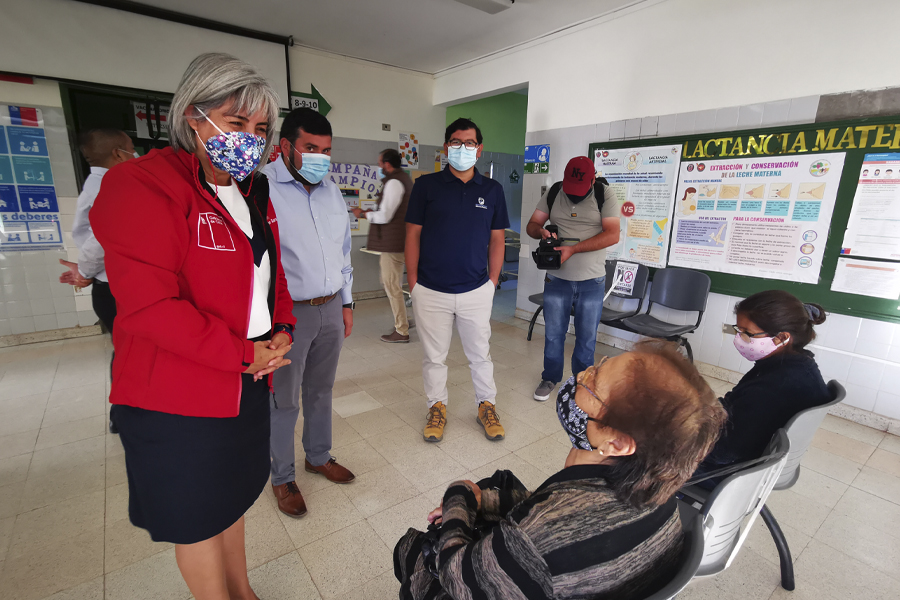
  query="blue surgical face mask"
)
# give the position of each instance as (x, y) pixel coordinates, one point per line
(462, 159)
(314, 168)
(380, 174)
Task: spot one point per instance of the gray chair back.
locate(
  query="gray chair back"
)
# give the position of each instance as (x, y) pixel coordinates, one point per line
(732, 507)
(800, 430)
(681, 289)
(640, 280)
(691, 555)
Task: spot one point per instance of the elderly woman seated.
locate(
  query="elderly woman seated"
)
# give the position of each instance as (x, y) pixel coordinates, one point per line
(606, 525)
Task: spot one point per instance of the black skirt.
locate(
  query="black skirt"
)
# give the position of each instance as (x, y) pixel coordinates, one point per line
(191, 478)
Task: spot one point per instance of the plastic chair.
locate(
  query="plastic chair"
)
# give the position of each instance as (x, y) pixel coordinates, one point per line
(691, 555)
(730, 510)
(800, 431)
(611, 315)
(679, 289)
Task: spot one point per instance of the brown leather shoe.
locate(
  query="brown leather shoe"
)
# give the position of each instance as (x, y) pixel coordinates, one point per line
(333, 471)
(290, 500)
(395, 338)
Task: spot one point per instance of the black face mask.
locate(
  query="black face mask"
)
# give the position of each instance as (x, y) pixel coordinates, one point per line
(576, 199)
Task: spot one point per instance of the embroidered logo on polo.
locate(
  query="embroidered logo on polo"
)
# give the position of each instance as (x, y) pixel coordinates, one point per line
(481, 204)
(212, 233)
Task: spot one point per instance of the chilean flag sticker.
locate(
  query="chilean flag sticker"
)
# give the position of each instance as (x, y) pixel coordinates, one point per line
(21, 115)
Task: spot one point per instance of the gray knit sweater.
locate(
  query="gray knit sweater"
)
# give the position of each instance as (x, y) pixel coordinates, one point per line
(569, 539)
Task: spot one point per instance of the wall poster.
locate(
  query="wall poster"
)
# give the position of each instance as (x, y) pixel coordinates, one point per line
(359, 186)
(874, 225)
(29, 209)
(409, 150)
(758, 216)
(644, 181)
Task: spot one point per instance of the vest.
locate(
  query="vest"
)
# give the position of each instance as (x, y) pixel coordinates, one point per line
(391, 237)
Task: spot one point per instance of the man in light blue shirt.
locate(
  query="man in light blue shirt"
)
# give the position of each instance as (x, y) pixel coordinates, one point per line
(315, 253)
(102, 149)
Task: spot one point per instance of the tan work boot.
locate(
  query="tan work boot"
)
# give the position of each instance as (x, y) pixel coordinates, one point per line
(488, 418)
(437, 418)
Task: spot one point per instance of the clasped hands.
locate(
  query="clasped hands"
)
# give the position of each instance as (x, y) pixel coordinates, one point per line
(436, 516)
(269, 356)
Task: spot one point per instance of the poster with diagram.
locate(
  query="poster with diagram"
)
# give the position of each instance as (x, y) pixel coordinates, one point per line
(409, 150)
(29, 209)
(874, 225)
(762, 216)
(644, 180)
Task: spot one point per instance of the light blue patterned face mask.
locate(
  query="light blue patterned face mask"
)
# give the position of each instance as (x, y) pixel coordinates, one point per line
(237, 152)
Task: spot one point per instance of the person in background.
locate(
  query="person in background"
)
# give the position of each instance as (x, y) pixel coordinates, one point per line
(607, 524)
(455, 243)
(204, 317)
(773, 329)
(316, 258)
(580, 282)
(102, 149)
(387, 234)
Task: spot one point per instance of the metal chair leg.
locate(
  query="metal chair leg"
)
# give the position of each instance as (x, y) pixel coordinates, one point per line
(690, 351)
(533, 321)
(784, 553)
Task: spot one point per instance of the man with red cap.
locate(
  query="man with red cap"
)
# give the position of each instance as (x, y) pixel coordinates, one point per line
(584, 209)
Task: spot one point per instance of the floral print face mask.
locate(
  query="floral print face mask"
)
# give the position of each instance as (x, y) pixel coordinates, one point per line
(237, 152)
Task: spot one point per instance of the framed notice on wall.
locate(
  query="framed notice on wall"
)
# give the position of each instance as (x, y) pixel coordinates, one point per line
(760, 216)
(644, 180)
(29, 208)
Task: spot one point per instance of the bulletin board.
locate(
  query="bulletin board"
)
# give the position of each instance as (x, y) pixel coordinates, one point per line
(844, 143)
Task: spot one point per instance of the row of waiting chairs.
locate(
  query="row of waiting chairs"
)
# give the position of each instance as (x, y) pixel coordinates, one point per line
(716, 523)
(682, 290)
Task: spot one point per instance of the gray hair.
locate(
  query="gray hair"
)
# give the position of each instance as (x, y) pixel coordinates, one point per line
(213, 80)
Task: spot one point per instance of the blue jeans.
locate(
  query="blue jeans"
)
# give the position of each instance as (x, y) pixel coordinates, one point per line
(560, 296)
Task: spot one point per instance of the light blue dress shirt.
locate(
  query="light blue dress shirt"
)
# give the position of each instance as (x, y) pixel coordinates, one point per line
(315, 235)
(90, 254)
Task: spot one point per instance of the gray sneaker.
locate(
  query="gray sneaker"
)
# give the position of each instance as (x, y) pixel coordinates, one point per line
(543, 391)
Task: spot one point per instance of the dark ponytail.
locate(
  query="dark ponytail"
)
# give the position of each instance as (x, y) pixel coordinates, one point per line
(776, 311)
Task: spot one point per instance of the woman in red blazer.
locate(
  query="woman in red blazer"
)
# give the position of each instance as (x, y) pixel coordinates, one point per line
(192, 253)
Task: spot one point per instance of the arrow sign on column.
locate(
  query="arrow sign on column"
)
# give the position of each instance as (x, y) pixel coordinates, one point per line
(315, 101)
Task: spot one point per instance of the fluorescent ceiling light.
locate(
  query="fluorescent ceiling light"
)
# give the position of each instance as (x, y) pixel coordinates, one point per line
(489, 6)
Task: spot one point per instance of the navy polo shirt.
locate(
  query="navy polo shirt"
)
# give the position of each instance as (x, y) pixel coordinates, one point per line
(456, 219)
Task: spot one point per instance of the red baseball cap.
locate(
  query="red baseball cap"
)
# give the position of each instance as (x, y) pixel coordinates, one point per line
(579, 173)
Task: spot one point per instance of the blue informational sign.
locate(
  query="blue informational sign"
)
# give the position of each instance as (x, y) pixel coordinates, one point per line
(14, 234)
(9, 202)
(3, 147)
(27, 141)
(537, 154)
(6, 173)
(44, 232)
(38, 198)
(32, 170)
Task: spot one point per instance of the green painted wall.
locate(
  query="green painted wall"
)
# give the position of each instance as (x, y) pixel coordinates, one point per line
(500, 118)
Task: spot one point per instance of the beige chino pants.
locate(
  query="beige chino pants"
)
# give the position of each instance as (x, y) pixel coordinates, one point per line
(392, 265)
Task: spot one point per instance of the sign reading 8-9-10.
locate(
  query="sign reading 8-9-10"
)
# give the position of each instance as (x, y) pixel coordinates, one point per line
(29, 209)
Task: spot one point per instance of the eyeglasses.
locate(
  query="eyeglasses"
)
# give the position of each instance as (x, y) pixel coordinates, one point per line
(457, 144)
(746, 336)
(589, 390)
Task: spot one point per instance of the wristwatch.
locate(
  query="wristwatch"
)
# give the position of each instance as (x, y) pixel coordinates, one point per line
(351, 306)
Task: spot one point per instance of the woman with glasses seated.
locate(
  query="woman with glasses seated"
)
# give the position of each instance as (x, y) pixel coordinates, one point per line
(773, 329)
(606, 525)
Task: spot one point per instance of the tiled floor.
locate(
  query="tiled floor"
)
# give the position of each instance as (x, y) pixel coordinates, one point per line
(65, 535)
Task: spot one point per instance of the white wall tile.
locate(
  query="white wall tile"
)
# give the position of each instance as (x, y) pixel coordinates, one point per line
(601, 132)
(730, 358)
(18, 308)
(5, 328)
(803, 110)
(888, 405)
(842, 332)
(666, 125)
(83, 303)
(859, 396)
(705, 121)
(727, 118)
(873, 349)
(42, 306)
(877, 331)
(684, 123)
(833, 365)
(750, 115)
(86, 318)
(45, 322)
(865, 372)
(616, 130)
(632, 128)
(649, 126)
(22, 325)
(68, 319)
(776, 113)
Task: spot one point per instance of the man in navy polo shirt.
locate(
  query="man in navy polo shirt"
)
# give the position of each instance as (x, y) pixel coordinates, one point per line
(454, 252)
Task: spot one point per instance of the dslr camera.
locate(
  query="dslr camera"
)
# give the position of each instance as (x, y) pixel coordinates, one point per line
(547, 256)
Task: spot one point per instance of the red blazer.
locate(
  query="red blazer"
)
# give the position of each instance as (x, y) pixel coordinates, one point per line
(181, 271)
